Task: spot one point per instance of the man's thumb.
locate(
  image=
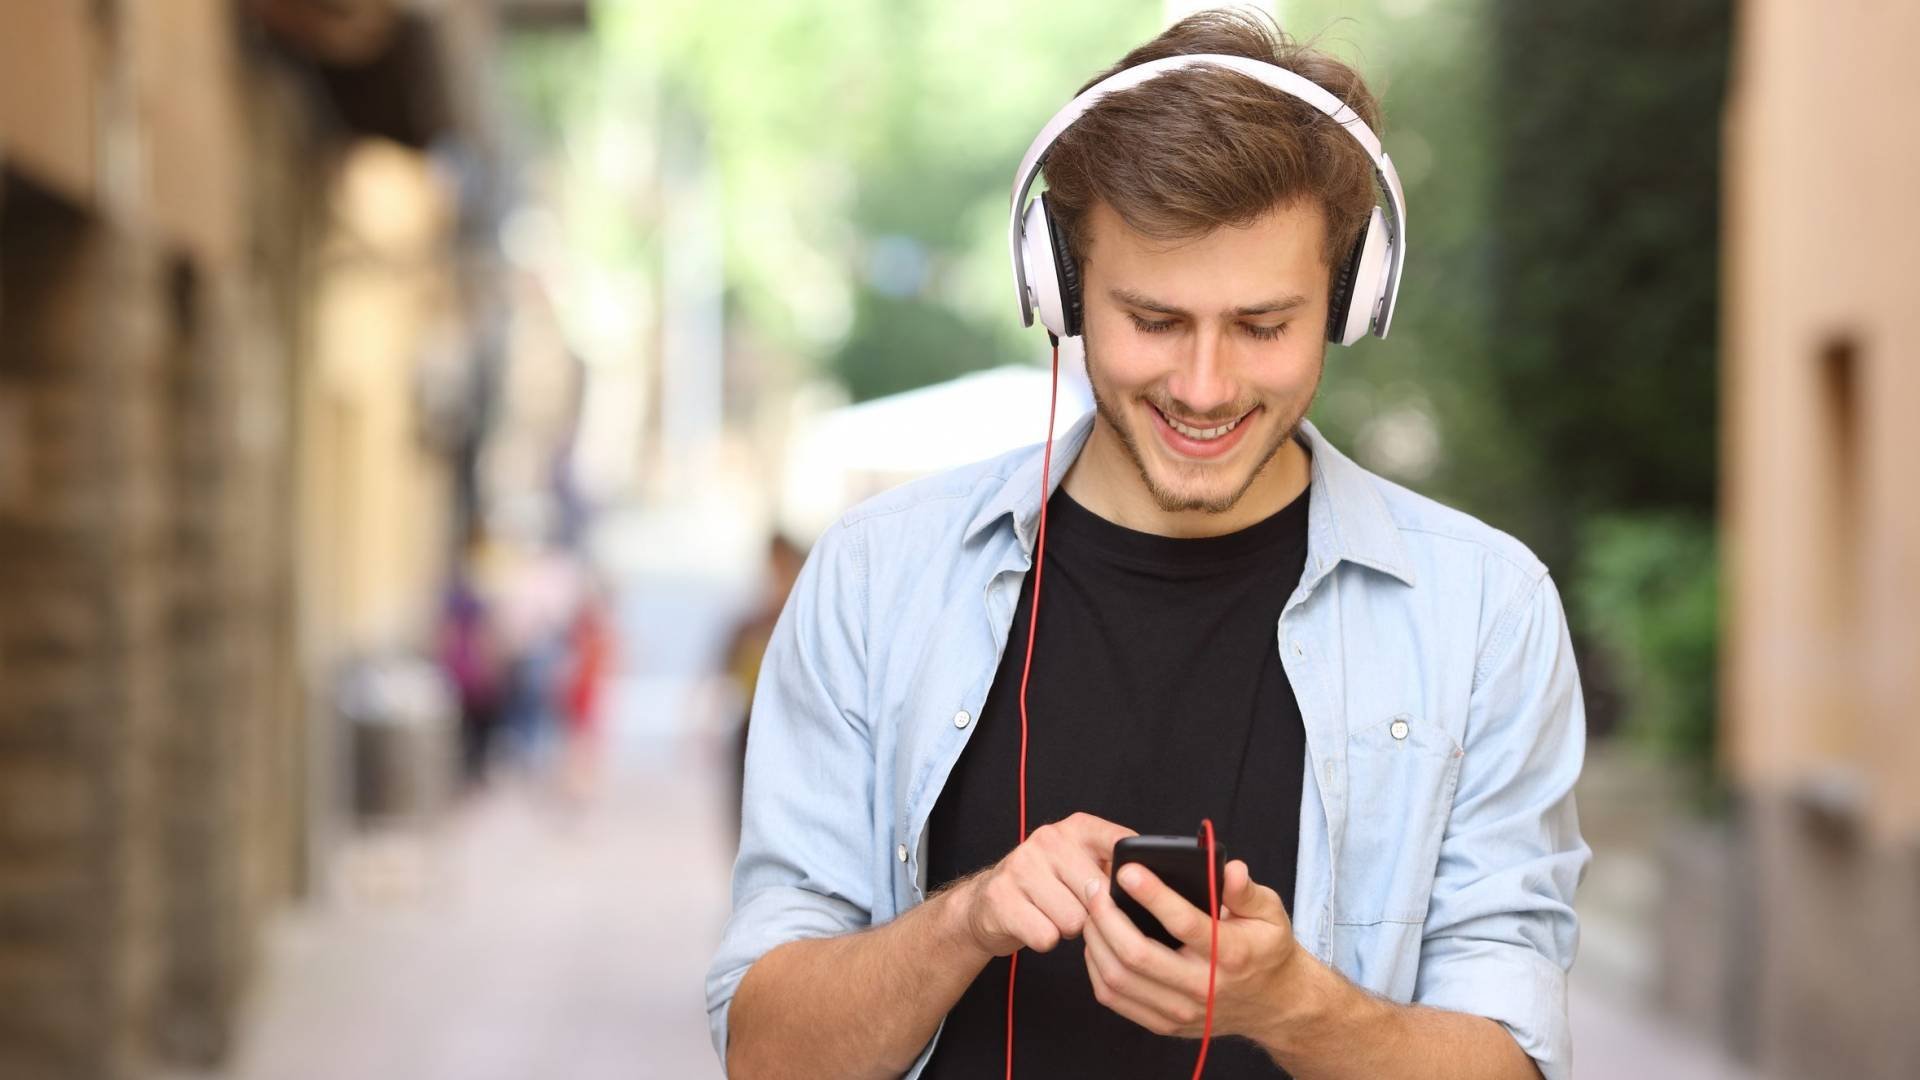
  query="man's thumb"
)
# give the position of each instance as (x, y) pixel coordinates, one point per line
(1240, 895)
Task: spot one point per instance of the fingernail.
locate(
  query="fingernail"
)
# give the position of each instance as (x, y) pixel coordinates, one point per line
(1093, 887)
(1129, 877)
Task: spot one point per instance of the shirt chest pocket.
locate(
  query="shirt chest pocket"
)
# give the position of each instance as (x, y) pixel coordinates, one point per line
(1401, 774)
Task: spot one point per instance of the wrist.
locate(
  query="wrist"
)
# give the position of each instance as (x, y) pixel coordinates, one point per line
(952, 914)
(1311, 1003)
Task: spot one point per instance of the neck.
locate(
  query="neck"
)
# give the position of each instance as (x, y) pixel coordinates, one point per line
(1105, 480)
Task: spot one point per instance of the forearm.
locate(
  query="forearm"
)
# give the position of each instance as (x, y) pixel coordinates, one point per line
(1334, 1030)
(858, 1005)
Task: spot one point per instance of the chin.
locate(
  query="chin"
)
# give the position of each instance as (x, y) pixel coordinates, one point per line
(1213, 496)
(1180, 485)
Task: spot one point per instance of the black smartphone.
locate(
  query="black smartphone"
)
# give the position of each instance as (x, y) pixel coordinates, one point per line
(1180, 861)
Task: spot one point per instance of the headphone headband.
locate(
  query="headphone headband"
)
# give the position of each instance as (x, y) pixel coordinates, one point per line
(1273, 75)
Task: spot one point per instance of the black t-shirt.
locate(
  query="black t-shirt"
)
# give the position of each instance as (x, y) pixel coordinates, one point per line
(1157, 698)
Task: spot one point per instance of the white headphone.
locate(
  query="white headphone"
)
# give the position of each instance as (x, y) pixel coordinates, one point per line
(1048, 280)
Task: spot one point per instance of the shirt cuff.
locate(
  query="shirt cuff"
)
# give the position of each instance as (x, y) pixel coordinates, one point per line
(768, 918)
(1512, 985)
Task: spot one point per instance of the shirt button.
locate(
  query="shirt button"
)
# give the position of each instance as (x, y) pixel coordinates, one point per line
(1399, 729)
(960, 719)
(900, 853)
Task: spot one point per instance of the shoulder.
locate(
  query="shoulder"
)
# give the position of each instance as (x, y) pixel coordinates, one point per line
(1474, 582)
(1433, 530)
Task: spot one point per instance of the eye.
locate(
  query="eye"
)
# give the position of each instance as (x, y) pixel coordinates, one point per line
(1146, 327)
(1265, 333)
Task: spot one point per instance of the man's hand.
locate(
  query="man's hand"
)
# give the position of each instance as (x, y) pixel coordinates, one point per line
(1033, 898)
(1165, 991)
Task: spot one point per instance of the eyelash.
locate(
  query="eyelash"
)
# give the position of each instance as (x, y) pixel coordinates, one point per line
(1261, 333)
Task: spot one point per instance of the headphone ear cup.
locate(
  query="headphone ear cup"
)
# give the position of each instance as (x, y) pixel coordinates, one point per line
(1042, 269)
(1066, 270)
(1359, 285)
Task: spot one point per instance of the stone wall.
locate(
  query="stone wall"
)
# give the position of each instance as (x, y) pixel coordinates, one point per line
(152, 752)
(1822, 525)
(83, 696)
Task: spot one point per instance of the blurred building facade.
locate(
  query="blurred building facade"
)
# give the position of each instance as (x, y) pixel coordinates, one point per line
(1819, 938)
(242, 392)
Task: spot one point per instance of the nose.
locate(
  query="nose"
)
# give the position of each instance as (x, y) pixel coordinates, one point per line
(1201, 386)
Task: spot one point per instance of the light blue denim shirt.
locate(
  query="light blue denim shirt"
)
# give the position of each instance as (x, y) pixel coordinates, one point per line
(1439, 844)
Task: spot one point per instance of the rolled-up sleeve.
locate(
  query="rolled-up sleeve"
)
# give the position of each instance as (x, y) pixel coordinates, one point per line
(1501, 933)
(804, 866)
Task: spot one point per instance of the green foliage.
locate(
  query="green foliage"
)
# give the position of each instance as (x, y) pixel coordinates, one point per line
(1648, 588)
(1605, 266)
(1432, 67)
(836, 124)
(1604, 273)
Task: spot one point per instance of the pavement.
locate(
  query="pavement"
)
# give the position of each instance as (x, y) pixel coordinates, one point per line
(531, 935)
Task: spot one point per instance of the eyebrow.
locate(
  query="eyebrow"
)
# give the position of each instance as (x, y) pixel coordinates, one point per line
(1147, 303)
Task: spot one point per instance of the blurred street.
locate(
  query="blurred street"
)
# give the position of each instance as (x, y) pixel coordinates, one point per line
(538, 929)
(527, 938)
(415, 416)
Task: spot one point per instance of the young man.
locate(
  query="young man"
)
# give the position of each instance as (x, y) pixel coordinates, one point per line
(1371, 696)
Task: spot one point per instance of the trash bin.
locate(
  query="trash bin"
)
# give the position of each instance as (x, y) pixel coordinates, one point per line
(402, 725)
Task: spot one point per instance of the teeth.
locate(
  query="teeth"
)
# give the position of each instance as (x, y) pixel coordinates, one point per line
(1200, 433)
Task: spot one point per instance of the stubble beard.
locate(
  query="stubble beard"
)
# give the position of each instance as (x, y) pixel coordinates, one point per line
(1172, 502)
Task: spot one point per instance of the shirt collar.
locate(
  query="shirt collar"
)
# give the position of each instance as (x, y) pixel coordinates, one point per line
(1346, 517)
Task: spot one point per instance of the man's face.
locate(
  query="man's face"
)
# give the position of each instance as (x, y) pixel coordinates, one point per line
(1205, 354)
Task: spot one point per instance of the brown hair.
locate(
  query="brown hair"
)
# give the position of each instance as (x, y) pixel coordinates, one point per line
(1196, 149)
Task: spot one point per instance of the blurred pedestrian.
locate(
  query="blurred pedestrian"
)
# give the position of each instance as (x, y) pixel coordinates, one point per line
(748, 645)
(540, 593)
(470, 655)
(592, 651)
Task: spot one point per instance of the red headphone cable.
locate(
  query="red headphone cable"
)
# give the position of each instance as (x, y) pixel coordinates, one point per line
(1206, 824)
(1213, 944)
(1033, 621)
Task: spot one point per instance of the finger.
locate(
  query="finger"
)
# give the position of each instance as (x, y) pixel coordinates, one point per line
(1058, 902)
(1184, 921)
(1032, 928)
(1236, 888)
(1248, 899)
(1013, 913)
(1072, 867)
(1149, 1019)
(1064, 849)
(1106, 995)
(1133, 950)
(1122, 985)
(1097, 836)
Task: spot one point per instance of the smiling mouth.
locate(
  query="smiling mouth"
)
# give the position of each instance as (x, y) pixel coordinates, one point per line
(1202, 434)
